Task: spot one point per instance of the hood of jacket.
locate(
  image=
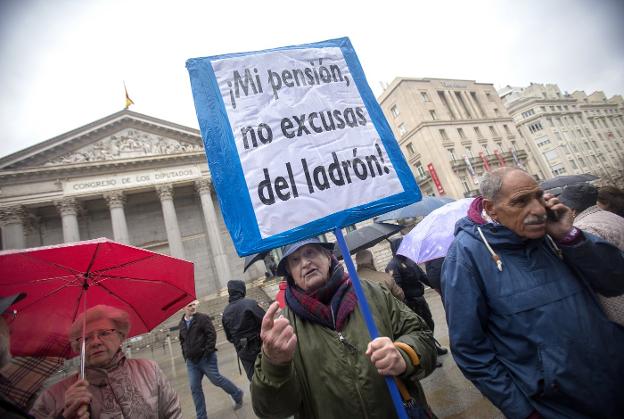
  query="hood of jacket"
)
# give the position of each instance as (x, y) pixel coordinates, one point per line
(236, 289)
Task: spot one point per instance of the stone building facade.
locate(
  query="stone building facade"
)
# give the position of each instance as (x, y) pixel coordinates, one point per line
(130, 177)
(570, 133)
(451, 132)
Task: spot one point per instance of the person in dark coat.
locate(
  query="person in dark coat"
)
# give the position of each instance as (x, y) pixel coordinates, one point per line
(434, 272)
(408, 275)
(198, 339)
(242, 319)
(519, 292)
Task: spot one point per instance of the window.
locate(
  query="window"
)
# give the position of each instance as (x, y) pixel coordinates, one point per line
(513, 145)
(394, 110)
(594, 159)
(493, 131)
(433, 115)
(528, 113)
(582, 162)
(402, 129)
(580, 133)
(443, 135)
(424, 97)
(550, 122)
(537, 126)
(558, 169)
(507, 130)
(469, 152)
(464, 183)
(543, 108)
(573, 164)
(451, 152)
(542, 141)
(496, 112)
(489, 97)
(551, 155)
(420, 170)
(478, 132)
(485, 147)
(460, 131)
(410, 149)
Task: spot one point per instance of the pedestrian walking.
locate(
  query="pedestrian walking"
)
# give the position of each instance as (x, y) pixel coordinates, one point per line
(241, 320)
(198, 340)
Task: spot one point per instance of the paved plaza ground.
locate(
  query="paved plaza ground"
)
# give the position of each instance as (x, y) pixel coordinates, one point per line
(449, 393)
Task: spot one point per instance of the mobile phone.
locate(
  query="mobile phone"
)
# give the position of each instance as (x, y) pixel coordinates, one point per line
(552, 215)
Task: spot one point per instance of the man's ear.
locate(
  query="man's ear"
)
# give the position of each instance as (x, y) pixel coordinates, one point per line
(488, 206)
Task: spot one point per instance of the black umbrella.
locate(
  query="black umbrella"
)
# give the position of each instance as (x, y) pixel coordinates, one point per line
(251, 259)
(561, 181)
(417, 209)
(368, 236)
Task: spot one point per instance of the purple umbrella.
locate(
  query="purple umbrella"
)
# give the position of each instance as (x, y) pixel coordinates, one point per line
(432, 237)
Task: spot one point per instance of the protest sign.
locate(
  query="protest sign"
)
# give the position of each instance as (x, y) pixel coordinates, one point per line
(296, 143)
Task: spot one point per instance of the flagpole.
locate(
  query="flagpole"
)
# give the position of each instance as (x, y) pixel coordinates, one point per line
(368, 318)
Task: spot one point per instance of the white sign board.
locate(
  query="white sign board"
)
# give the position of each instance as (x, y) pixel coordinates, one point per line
(296, 143)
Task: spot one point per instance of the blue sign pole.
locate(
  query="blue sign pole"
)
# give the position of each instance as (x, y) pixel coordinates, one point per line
(368, 318)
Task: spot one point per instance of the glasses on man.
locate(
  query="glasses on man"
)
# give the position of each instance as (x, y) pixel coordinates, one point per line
(104, 334)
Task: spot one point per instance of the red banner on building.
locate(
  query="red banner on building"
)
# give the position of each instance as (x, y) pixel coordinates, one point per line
(435, 178)
(500, 158)
(486, 164)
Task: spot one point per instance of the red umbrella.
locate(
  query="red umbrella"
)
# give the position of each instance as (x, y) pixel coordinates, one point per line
(150, 286)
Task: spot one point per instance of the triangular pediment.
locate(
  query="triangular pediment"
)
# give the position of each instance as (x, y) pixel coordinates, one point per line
(121, 136)
(128, 143)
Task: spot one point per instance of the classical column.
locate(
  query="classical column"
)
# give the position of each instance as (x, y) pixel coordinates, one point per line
(203, 187)
(165, 192)
(12, 222)
(68, 208)
(116, 200)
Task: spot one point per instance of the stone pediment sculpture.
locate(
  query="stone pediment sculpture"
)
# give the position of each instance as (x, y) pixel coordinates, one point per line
(125, 144)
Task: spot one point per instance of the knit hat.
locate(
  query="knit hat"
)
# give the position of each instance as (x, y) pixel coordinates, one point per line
(293, 247)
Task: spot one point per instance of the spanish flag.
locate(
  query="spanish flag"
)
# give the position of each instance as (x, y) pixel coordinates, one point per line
(128, 100)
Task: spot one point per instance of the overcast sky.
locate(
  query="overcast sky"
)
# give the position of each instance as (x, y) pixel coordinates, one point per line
(63, 62)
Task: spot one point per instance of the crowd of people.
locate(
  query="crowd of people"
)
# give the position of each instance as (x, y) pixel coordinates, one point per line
(532, 290)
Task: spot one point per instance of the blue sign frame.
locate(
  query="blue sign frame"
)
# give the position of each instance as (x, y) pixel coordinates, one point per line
(227, 173)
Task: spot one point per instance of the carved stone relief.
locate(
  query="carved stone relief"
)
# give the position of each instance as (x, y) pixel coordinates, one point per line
(128, 143)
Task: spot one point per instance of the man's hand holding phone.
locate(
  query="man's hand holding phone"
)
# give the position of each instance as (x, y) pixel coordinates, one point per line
(559, 218)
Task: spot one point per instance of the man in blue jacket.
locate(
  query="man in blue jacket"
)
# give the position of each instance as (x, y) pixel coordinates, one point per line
(518, 287)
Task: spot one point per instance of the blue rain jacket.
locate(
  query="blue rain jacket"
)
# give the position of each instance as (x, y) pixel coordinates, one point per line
(532, 336)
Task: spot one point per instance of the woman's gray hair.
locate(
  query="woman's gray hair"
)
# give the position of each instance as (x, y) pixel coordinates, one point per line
(491, 183)
(119, 317)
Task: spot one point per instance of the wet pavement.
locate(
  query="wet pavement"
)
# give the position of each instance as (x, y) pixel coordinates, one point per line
(448, 392)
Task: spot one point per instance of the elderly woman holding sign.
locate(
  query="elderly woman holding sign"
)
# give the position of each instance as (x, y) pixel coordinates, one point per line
(317, 359)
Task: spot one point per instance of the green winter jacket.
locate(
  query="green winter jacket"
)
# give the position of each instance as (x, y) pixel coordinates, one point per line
(330, 378)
